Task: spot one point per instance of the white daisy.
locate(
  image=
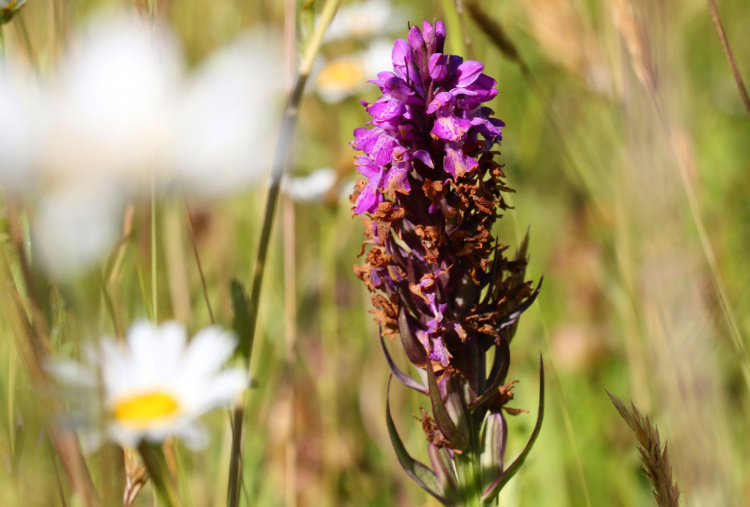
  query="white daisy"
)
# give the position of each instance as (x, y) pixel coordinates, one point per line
(226, 117)
(158, 384)
(346, 76)
(111, 105)
(363, 20)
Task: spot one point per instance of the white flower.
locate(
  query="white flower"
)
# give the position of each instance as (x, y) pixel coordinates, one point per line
(76, 225)
(158, 385)
(345, 76)
(312, 187)
(367, 19)
(339, 78)
(225, 126)
(121, 116)
(111, 105)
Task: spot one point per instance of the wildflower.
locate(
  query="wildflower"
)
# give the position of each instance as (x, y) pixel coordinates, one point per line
(313, 187)
(158, 384)
(430, 194)
(343, 76)
(125, 111)
(224, 119)
(110, 109)
(363, 20)
(76, 225)
(122, 120)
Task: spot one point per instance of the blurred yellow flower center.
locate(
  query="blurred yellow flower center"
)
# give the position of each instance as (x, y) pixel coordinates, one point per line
(141, 410)
(341, 75)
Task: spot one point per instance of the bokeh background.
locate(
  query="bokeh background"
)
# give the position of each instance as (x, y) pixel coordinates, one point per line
(628, 145)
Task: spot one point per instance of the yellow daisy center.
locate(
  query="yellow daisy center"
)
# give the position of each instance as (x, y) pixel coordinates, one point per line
(142, 410)
(340, 75)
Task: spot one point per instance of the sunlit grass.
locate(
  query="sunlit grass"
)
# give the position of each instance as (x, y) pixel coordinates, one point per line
(630, 302)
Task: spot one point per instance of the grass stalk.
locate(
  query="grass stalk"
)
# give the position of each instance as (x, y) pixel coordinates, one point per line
(156, 464)
(282, 160)
(198, 262)
(730, 54)
(290, 355)
(154, 259)
(634, 36)
(654, 456)
(33, 327)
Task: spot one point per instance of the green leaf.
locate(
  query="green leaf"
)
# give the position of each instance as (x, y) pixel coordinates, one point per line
(503, 479)
(445, 472)
(241, 320)
(419, 472)
(404, 378)
(504, 351)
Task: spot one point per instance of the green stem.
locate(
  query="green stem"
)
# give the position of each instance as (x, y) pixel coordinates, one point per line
(282, 160)
(156, 464)
(469, 475)
(154, 263)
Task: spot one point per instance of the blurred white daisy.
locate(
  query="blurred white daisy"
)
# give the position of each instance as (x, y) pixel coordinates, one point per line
(158, 384)
(76, 225)
(339, 78)
(363, 20)
(312, 187)
(226, 117)
(346, 76)
(121, 119)
(111, 105)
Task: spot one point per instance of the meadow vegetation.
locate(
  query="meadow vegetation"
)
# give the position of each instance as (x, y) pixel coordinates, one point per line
(624, 142)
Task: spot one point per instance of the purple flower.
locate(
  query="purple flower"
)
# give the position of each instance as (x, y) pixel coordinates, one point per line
(431, 192)
(427, 94)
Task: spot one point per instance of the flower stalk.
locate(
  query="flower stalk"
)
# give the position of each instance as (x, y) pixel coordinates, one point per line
(282, 160)
(440, 282)
(156, 465)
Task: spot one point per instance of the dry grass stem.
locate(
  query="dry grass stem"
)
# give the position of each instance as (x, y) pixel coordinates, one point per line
(561, 34)
(655, 459)
(635, 38)
(730, 54)
(496, 33)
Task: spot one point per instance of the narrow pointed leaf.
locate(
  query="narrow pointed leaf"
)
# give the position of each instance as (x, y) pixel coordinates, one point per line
(513, 316)
(504, 350)
(496, 486)
(521, 252)
(446, 474)
(442, 418)
(404, 378)
(241, 321)
(419, 473)
(501, 360)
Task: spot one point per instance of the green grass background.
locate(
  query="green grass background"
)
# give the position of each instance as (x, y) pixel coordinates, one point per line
(630, 301)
